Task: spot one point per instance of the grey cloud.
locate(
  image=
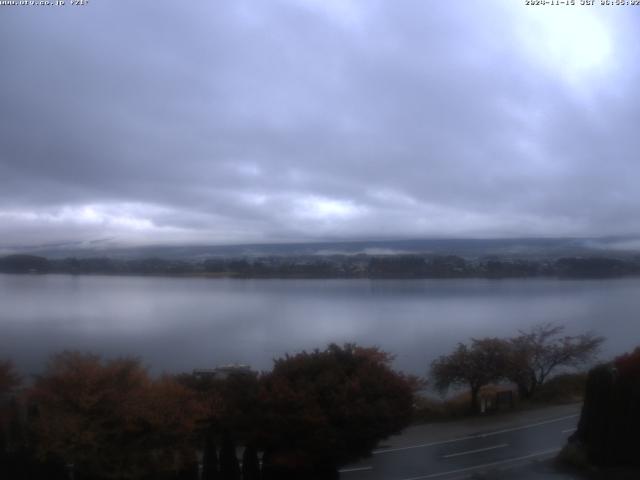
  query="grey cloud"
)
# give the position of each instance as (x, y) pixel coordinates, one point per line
(296, 120)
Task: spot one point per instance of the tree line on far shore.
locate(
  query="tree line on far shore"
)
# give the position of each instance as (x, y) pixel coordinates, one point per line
(334, 266)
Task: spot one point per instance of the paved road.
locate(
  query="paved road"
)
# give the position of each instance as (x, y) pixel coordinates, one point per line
(507, 445)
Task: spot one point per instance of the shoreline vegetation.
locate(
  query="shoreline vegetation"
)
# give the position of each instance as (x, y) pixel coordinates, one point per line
(87, 418)
(359, 266)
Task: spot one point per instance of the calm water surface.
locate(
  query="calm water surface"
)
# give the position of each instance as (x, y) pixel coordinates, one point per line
(176, 324)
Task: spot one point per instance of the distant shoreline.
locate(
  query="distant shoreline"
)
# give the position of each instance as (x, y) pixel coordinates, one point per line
(395, 267)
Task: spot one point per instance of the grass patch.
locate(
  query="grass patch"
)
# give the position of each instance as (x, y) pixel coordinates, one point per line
(430, 409)
(561, 389)
(564, 388)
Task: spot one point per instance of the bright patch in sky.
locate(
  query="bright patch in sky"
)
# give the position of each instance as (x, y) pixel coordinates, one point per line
(572, 41)
(326, 208)
(125, 216)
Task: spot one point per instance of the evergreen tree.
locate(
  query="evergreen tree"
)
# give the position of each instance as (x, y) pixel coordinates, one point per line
(210, 460)
(250, 464)
(229, 466)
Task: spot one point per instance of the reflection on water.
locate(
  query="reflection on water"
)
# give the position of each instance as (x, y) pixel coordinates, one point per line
(176, 324)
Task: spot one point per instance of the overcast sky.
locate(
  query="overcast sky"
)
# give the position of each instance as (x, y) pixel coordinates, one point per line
(234, 121)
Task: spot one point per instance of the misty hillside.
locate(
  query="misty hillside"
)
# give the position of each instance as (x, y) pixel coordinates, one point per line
(535, 248)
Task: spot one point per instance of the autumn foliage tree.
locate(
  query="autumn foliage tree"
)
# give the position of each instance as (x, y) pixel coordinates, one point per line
(475, 365)
(9, 378)
(172, 418)
(527, 360)
(328, 407)
(9, 381)
(232, 414)
(110, 420)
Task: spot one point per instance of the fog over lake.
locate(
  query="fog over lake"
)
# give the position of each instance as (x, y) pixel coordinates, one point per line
(177, 324)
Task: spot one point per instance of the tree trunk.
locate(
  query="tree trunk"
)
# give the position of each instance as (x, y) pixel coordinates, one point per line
(210, 460)
(533, 387)
(475, 406)
(267, 471)
(229, 466)
(250, 464)
(523, 391)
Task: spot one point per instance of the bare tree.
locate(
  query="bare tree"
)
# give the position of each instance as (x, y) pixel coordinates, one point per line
(536, 353)
(475, 366)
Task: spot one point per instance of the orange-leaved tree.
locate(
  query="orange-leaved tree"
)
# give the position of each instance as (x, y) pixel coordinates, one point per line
(328, 407)
(109, 418)
(9, 381)
(9, 378)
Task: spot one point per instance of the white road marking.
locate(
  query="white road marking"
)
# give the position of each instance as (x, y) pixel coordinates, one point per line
(478, 450)
(569, 430)
(472, 437)
(485, 465)
(355, 469)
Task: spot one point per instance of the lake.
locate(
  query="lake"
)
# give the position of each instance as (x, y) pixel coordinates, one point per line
(177, 324)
